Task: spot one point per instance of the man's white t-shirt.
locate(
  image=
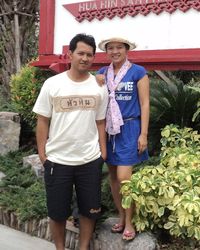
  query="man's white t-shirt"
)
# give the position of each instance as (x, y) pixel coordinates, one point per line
(73, 108)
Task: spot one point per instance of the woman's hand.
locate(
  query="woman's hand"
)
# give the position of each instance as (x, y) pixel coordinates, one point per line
(100, 78)
(142, 143)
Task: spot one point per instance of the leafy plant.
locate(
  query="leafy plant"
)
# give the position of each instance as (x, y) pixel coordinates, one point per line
(108, 206)
(168, 195)
(21, 191)
(171, 103)
(25, 87)
(5, 104)
(184, 75)
(197, 113)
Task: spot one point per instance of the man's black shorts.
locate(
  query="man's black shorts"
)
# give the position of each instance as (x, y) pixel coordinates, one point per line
(59, 180)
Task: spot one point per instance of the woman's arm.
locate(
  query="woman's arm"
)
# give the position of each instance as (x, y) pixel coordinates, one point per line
(143, 91)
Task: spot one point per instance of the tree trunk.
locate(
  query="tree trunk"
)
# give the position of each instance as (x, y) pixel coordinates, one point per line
(18, 37)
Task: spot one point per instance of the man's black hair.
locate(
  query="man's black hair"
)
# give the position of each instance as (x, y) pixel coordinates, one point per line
(87, 39)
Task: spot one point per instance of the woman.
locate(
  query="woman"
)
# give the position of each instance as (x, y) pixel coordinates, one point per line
(127, 122)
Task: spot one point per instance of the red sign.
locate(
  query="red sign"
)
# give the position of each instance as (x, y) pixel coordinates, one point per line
(110, 8)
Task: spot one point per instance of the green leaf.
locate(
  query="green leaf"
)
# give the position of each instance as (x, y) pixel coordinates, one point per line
(168, 225)
(165, 133)
(161, 211)
(197, 233)
(171, 192)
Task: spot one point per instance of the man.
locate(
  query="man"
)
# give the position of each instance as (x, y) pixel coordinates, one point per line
(71, 141)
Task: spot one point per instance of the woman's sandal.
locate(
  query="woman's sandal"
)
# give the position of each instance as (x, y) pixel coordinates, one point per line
(117, 228)
(128, 236)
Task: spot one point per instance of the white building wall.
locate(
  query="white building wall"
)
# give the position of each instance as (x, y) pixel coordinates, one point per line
(151, 32)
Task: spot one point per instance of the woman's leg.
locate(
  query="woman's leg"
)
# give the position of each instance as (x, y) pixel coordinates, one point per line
(115, 188)
(124, 173)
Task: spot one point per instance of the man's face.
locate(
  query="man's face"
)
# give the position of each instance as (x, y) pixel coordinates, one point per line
(82, 57)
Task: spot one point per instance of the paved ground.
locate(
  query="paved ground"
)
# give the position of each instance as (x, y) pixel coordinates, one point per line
(11, 239)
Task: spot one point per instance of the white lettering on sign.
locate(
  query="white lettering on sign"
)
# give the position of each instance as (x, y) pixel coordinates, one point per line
(108, 4)
(87, 6)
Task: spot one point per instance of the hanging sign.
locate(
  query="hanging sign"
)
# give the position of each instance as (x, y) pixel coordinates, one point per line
(165, 31)
(100, 9)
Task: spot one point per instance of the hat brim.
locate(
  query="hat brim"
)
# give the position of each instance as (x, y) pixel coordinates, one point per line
(103, 43)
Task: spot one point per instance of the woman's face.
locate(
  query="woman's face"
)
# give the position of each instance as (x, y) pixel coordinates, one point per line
(116, 52)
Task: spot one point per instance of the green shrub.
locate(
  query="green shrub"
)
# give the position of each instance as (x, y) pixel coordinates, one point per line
(5, 104)
(107, 202)
(171, 103)
(25, 87)
(197, 113)
(168, 195)
(21, 191)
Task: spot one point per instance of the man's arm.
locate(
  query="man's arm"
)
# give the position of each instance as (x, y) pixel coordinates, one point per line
(42, 132)
(102, 137)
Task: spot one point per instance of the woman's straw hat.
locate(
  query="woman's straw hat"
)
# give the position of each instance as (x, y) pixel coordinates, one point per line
(103, 43)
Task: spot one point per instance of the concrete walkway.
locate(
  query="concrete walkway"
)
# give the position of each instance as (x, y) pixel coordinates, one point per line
(11, 239)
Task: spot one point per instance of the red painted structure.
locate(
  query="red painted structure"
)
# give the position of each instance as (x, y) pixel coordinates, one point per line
(173, 59)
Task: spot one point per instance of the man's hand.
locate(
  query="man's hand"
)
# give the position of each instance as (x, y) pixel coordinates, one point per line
(102, 137)
(43, 159)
